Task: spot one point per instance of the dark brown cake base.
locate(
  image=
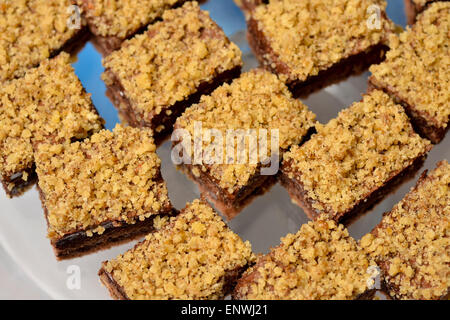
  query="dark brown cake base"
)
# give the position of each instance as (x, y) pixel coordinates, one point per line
(77, 244)
(230, 205)
(118, 97)
(117, 292)
(298, 194)
(19, 185)
(418, 120)
(353, 65)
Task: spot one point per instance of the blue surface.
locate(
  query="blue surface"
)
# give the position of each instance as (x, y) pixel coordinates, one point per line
(88, 67)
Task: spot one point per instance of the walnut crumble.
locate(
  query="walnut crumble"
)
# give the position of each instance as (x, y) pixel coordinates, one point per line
(113, 176)
(412, 243)
(355, 154)
(189, 258)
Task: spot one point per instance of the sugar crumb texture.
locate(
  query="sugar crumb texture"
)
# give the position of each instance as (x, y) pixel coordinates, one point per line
(191, 257)
(319, 262)
(417, 66)
(412, 242)
(355, 154)
(49, 104)
(312, 35)
(257, 100)
(171, 60)
(112, 176)
(30, 32)
(122, 18)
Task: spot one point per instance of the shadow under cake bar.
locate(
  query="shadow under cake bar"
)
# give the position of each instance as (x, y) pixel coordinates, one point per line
(320, 262)
(155, 76)
(416, 71)
(112, 22)
(412, 244)
(48, 104)
(103, 190)
(313, 43)
(354, 160)
(414, 7)
(256, 101)
(33, 31)
(194, 256)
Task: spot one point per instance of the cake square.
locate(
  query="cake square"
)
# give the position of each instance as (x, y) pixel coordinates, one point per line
(103, 190)
(35, 30)
(112, 22)
(320, 262)
(256, 101)
(48, 104)
(354, 160)
(411, 244)
(194, 256)
(313, 43)
(156, 75)
(415, 73)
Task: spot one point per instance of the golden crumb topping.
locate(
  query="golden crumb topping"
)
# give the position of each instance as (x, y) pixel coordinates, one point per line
(169, 62)
(47, 104)
(321, 261)
(421, 3)
(190, 258)
(417, 66)
(30, 31)
(113, 176)
(312, 35)
(121, 18)
(412, 242)
(355, 154)
(255, 101)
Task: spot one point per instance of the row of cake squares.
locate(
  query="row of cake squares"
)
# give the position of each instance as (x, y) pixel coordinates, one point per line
(196, 256)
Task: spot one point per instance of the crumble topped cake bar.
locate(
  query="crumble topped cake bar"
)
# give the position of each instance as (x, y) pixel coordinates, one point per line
(320, 262)
(256, 101)
(416, 71)
(48, 104)
(156, 75)
(105, 189)
(194, 256)
(414, 7)
(412, 244)
(32, 31)
(313, 43)
(349, 164)
(113, 21)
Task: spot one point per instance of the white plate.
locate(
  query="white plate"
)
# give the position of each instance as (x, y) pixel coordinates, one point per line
(269, 217)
